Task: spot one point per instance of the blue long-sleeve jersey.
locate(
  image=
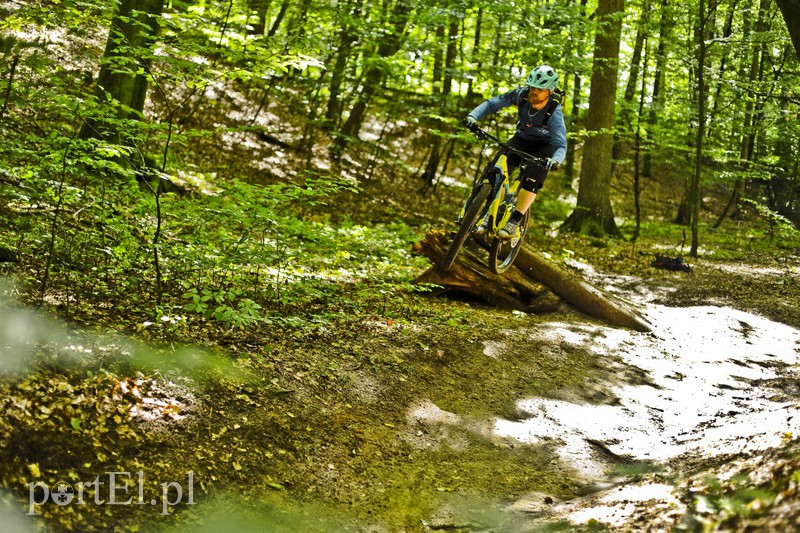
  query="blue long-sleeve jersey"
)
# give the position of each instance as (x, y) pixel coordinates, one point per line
(529, 120)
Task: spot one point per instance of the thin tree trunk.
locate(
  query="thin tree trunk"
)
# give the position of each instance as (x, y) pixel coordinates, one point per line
(746, 144)
(655, 104)
(637, 146)
(431, 169)
(569, 165)
(791, 14)
(626, 113)
(694, 188)
(346, 41)
(389, 45)
(277, 23)
(726, 33)
(261, 8)
(684, 214)
(9, 85)
(476, 45)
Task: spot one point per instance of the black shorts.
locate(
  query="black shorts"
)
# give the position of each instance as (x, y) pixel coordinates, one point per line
(534, 175)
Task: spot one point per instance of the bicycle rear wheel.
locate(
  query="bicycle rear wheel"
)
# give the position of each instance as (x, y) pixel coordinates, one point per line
(504, 251)
(476, 204)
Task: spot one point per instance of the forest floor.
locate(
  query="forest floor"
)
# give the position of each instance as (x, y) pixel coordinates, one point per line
(431, 414)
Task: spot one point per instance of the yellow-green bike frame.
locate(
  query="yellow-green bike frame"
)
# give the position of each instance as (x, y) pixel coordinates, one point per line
(492, 199)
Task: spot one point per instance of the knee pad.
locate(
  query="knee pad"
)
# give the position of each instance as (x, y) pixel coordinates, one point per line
(530, 184)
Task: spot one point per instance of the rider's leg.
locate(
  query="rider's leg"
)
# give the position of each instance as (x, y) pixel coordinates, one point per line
(525, 197)
(531, 183)
(524, 200)
(532, 178)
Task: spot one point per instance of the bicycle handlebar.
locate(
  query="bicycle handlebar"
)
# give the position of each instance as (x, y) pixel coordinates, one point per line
(483, 135)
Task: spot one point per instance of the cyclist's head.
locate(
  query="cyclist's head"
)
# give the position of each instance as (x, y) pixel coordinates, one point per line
(543, 77)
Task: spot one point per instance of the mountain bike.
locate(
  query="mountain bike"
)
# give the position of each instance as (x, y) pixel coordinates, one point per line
(493, 198)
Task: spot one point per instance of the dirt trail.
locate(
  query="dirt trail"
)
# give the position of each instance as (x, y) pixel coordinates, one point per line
(698, 386)
(433, 422)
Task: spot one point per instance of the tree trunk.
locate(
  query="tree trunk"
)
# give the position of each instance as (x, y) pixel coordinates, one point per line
(791, 14)
(625, 122)
(374, 75)
(261, 7)
(347, 38)
(569, 163)
(720, 76)
(476, 46)
(593, 214)
(684, 214)
(745, 146)
(655, 104)
(533, 284)
(446, 75)
(637, 152)
(277, 23)
(694, 186)
(9, 84)
(124, 68)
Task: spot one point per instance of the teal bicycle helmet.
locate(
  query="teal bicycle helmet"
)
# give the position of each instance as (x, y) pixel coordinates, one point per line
(543, 77)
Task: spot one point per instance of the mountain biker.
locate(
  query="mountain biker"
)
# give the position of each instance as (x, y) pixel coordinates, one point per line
(540, 132)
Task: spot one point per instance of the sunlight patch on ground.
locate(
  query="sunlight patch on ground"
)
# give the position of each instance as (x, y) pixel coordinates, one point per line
(494, 349)
(239, 138)
(154, 400)
(615, 506)
(699, 392)
(751, 270)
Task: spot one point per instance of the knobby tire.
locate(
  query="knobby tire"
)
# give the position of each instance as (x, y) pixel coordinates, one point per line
(502, 254)
(471, 215)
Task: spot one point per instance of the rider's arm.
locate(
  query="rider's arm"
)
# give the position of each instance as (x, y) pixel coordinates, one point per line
(558, 135)
(495, 104)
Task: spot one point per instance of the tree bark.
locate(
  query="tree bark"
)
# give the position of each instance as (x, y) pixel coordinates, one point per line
(655, 104)
(745, 145)
(131, 37)
(593, 214)
(374, 75)
(446, 76)
(261, 7)
(347, 38)
(277, 23)
(694, 185)
(580, 41)
(625, 123)
(533, 284)
(476, 46)
(791, 14)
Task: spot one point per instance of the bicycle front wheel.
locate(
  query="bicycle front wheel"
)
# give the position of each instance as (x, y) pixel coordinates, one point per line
(471, 215)
(504, 251)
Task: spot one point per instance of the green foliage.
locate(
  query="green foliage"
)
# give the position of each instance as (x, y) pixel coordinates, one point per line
(779, 228)
(249, 255)
(216, 305)
(726, 502)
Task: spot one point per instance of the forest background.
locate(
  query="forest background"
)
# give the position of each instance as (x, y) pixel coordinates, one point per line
(311, 99)
(234, 173)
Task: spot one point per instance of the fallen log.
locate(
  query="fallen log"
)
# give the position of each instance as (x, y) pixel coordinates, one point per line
(533, 284)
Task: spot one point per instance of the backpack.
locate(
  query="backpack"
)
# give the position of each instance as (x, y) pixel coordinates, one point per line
(556, 99)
